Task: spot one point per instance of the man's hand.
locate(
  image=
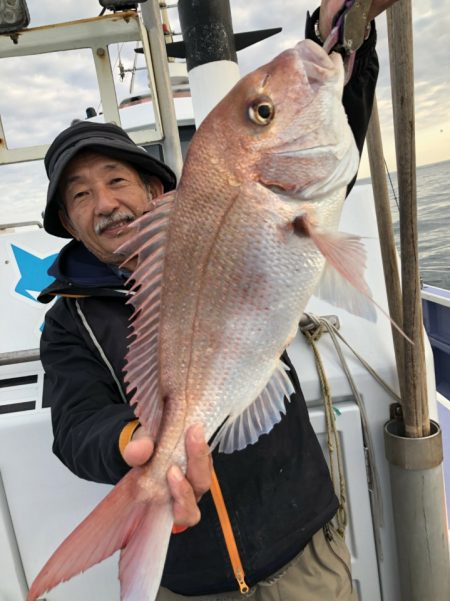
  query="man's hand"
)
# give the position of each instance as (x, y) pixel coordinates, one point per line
(186, 490)
(328, 8)
(140, 448)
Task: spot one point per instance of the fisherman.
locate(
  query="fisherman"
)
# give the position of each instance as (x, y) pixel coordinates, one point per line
(278, 492)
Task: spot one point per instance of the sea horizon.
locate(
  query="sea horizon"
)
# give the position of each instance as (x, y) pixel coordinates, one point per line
(433, 209)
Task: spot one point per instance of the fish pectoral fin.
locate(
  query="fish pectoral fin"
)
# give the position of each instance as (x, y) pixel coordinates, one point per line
(343, 283)
(142, 359)
(345, 252)
(338, 291)
(245, 427)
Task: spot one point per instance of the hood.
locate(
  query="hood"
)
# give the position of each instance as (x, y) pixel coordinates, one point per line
(78, 272)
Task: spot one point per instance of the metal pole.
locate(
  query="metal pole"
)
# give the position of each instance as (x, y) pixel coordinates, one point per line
(413, 446)
(210, 52)
(415, 466)
(13, 357)
(415, 402)
(171, 143)
(5, 518)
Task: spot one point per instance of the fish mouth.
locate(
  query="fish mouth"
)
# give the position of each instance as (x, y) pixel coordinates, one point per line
(317, 64)
(311, 68)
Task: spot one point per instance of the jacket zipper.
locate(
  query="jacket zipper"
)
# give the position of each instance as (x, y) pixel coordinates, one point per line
(227, 530)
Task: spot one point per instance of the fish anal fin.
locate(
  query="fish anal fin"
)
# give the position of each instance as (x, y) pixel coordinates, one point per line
(246, 426)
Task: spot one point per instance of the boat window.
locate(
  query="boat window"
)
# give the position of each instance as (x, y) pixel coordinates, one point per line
(132, 86)
(23, 189)
(59, 85)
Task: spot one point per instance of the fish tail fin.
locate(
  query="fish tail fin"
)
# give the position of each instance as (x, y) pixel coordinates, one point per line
(116, 523)
(142, 560)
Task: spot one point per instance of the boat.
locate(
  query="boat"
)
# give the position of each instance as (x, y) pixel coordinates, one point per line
(41, 501)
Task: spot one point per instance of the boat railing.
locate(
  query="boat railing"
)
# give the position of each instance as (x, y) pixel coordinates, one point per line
(14, 357)
(21, 383)
(436, 295)
(436, 317)
(13, 226)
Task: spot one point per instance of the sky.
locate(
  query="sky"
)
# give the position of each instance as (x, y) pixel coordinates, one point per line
(41, 95)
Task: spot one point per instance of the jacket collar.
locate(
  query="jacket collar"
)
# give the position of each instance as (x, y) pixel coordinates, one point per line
(78, 272)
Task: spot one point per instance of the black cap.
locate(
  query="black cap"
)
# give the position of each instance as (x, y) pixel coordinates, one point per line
(104, 138)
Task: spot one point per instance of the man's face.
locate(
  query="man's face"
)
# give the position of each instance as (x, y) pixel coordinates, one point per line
(101, 196)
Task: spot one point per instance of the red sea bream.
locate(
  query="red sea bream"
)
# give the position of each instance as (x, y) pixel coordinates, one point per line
(226, 265)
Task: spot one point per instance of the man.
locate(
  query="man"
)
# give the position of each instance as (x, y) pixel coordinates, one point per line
(278, 492)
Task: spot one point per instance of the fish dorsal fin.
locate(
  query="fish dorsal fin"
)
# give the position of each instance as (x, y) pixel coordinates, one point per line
(142, 361)
(245, 427)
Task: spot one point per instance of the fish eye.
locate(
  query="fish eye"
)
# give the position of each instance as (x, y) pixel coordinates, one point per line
(261, 111)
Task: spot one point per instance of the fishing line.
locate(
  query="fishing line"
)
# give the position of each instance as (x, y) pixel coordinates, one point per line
(392, 185)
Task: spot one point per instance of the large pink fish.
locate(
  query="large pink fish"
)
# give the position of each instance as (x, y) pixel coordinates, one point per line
(226, 266)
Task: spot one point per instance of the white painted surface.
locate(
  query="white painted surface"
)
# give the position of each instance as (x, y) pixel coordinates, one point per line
(209, 84)
(359, 534)
(21, 315)
(46, 501)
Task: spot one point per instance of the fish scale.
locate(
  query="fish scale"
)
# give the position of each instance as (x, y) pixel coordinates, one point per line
(226, 265)
(227, 327)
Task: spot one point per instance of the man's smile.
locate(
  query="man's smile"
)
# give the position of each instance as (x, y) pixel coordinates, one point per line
(113, 225)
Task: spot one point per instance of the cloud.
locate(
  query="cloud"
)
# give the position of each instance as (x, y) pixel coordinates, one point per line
(37, 102)
(22, 192)
(41, 95)
(254, 14)
(431, 23)
(48, 12)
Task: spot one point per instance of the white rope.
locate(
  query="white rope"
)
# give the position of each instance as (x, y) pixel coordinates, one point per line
(313, 330)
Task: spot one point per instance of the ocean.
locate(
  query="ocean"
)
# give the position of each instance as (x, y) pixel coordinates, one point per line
(22, 198)
(433, 208)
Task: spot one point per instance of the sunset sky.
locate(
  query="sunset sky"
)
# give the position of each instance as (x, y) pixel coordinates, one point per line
(40, 96)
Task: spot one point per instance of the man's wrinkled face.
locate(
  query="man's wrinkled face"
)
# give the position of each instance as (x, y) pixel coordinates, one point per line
(101, 196)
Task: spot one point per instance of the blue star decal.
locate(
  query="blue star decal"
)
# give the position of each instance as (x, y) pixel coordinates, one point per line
(33, 271)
